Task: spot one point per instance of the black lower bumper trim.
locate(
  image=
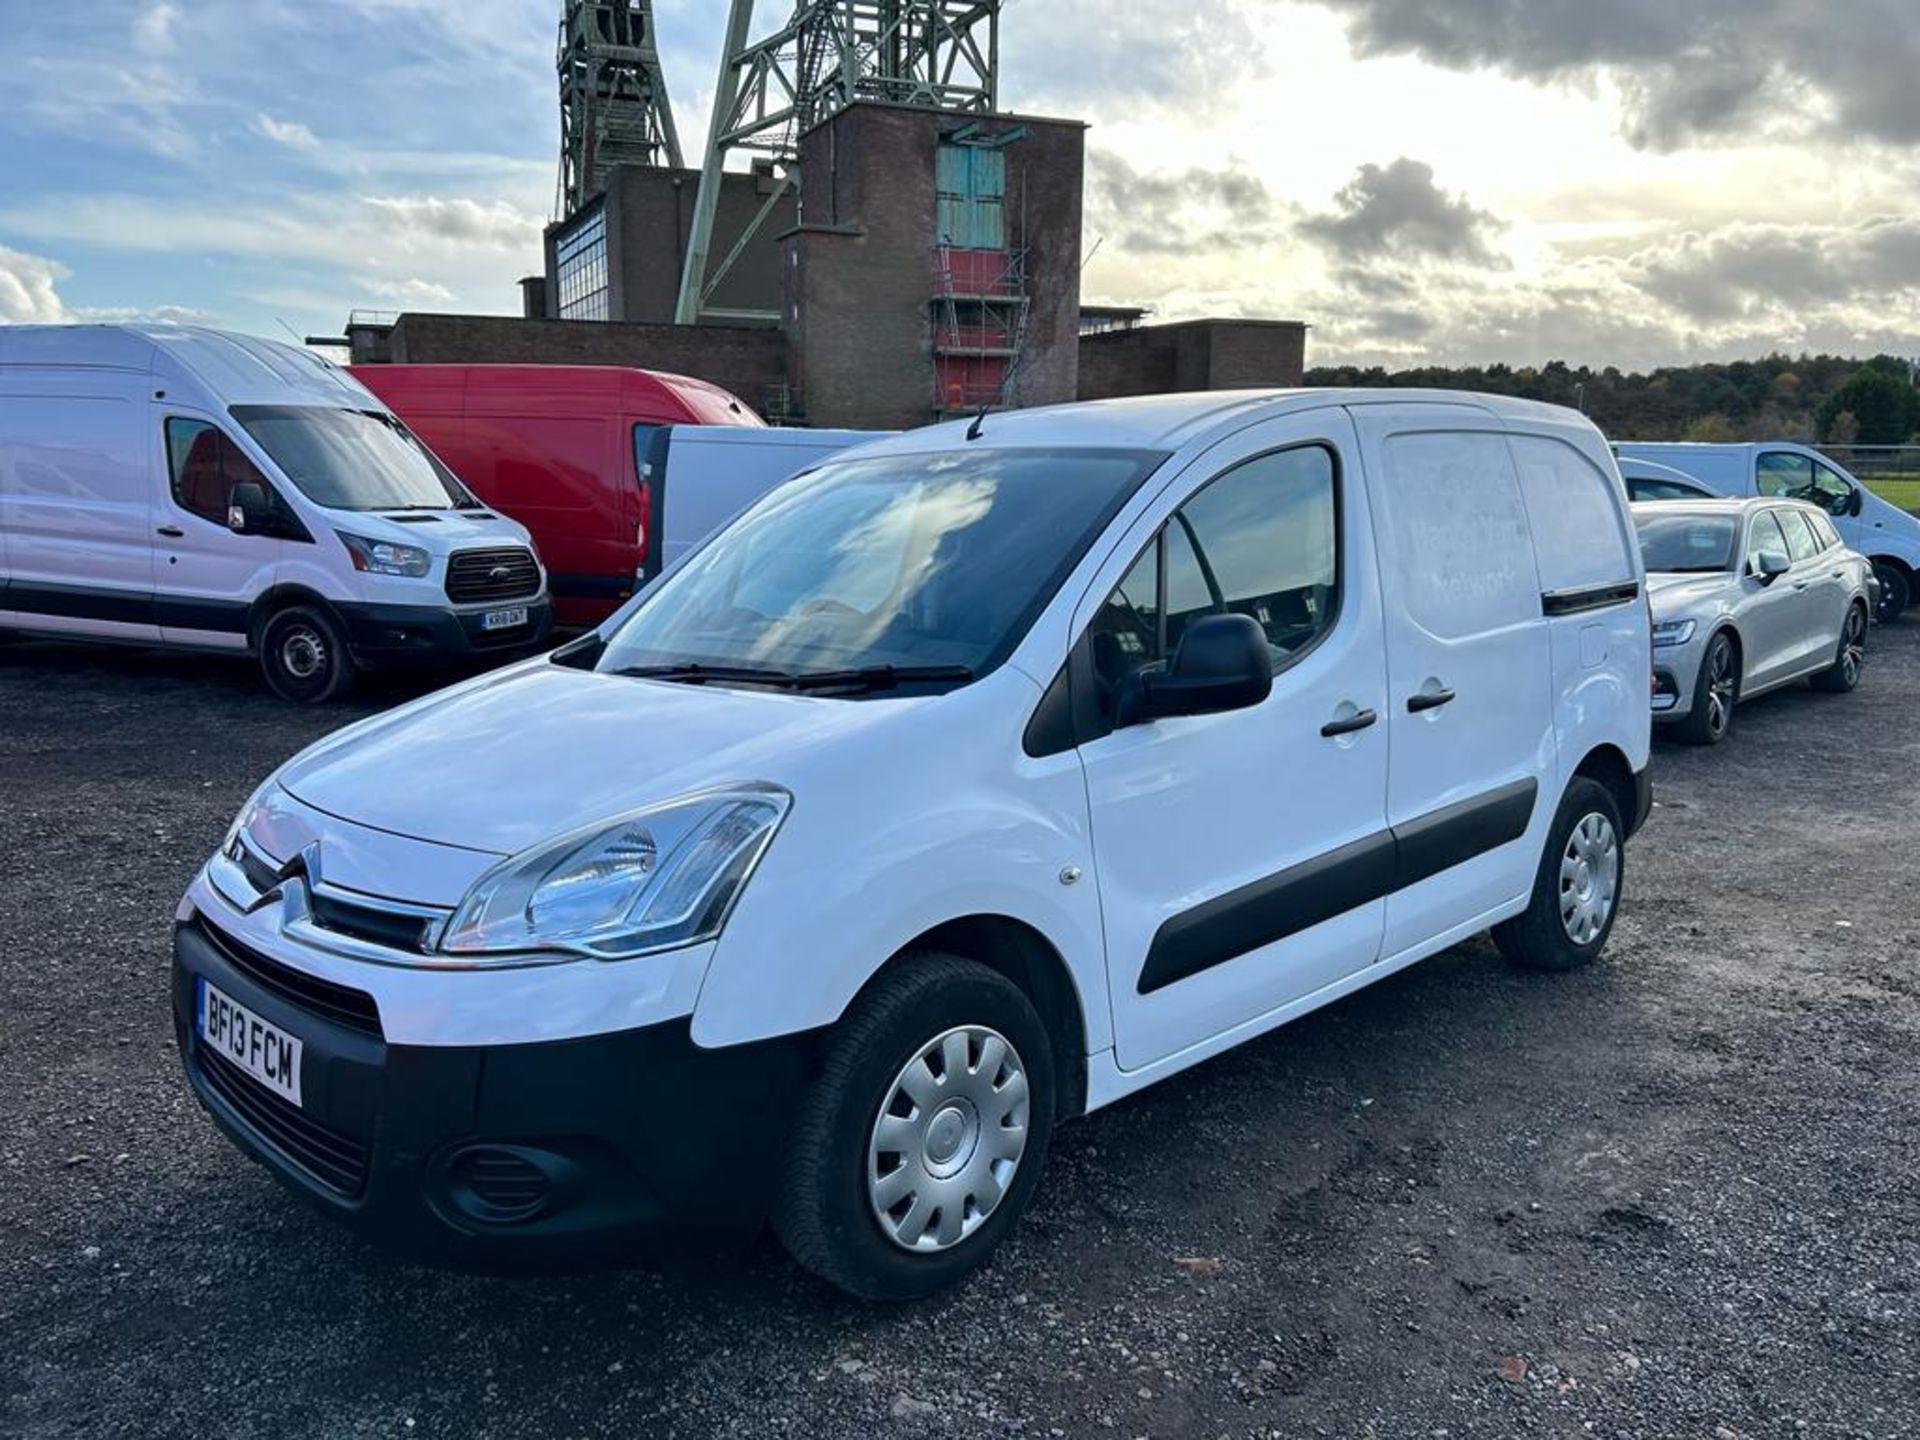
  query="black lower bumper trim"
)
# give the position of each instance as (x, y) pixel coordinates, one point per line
(561, 1155)
(381, 635)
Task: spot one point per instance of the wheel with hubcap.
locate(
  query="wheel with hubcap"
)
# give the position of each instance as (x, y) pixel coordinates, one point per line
(917, 1147)
(1896, 592)
(1715, 692)
(1851, 657)
(1576, 891)
(304, 656)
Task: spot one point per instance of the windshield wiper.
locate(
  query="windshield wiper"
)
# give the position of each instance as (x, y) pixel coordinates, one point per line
(693, 674)
(880, 677)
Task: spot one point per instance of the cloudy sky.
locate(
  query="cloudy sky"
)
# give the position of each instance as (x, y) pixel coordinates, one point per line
(1631, 182)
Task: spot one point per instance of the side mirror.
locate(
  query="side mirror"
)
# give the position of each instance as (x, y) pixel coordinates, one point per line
(1856, 501)
(247, 508)
(1770, 566)
(1222, 664)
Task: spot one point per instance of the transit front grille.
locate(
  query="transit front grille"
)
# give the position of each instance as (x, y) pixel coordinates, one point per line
(354, 1009)
(335, 1161)
(477, 576)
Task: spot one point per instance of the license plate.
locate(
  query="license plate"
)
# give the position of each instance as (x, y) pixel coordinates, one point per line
(264, 1051)
(504, 619)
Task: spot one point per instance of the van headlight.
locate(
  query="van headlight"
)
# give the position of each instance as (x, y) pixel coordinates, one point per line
(385, 557)
(658, 878)
(1673, 632)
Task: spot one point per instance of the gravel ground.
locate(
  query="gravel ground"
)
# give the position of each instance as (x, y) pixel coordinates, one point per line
(1673, 1195)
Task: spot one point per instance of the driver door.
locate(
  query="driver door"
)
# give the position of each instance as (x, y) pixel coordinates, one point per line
(1238, 855)
(205, 575)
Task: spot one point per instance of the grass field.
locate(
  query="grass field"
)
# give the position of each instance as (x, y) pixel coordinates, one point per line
(1901, 490)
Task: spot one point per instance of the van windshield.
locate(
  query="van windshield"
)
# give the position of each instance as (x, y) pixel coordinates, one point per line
(867, 574)
(352, 459)
(1683, 543)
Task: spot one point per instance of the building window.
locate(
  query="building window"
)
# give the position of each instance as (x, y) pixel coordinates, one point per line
(580, 268)
(972, 185)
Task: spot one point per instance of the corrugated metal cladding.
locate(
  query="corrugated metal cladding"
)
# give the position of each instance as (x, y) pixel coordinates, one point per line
(971, 183)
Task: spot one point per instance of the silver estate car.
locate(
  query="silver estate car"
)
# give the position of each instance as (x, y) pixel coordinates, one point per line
(1747, 596)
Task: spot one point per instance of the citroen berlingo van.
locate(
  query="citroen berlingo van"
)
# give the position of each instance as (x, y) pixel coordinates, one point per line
(177, 486)
(966, 783)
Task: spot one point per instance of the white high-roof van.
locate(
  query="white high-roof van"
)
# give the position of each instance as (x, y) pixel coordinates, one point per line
(179, 486)
(1884, 533)
(968, 782)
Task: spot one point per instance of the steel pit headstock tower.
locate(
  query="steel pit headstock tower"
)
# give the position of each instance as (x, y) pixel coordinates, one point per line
(937, 54)
(613, 96)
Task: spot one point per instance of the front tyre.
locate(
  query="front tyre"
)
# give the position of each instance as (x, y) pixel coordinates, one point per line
(303, 656)
(916, 1149)
(1896, 592)
(1850, 659)
(1715, 692)
(1576, 892)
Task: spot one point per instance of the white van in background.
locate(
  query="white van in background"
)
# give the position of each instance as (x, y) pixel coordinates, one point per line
(1884, 533)
(179, 486)
(700, 476)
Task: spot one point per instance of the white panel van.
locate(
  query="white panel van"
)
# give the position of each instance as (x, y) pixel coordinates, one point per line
(969, 782)
(1884, 533)
(179, 486)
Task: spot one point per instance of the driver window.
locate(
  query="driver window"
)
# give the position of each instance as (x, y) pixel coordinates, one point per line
(1785, 475)
(1260, 540)
(1800, 542)
(1830, 492)
(1765, 535)
(205, 467)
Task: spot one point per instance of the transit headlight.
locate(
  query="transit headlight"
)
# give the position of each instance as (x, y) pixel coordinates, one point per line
(661, 877)
(385, 557)
(1673, 632)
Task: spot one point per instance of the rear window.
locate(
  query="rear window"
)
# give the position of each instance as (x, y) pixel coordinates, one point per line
(1577, 528)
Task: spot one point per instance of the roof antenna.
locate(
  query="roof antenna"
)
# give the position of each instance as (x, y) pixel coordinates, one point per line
(973, 430)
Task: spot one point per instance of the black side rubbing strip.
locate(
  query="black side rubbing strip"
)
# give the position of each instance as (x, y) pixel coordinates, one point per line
(1589, 597)
(1229, 926)
(1452, 836)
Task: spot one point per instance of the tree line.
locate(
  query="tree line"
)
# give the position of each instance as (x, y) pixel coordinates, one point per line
(1829, 399)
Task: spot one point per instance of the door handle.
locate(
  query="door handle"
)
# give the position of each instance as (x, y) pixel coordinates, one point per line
(1428, 700)
(1800, 584)
(172, 532)
(1359, 720)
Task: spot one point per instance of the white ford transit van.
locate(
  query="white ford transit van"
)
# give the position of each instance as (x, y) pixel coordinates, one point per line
(1884, 533)
(971, 781)
(178, 486)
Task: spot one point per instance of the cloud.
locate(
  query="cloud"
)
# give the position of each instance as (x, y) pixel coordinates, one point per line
(1397, 211)
(27, 295)
(497, 224)
(1770, 272)
(1112, 61)
(145, 315)
(290, 133)
(1701, 70)
(411, 291)
(1176, 212)
(153, 28)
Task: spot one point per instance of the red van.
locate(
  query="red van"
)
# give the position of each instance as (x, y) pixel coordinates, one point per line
(558, 448)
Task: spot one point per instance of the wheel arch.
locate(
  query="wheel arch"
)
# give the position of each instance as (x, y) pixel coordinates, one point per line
(1728, 628)
(1608, 766)
(274, 599)
(1028, 959)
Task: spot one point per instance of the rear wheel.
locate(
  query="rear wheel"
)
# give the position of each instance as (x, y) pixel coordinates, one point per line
(1576, 891)
(304, 656)
(918, 1146)
(1715, 691)
(1850, 659)
(1896, 591)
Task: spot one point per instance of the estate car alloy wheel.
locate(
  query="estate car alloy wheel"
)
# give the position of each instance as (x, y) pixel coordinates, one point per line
(1715, 692)
(916, 1147)
(1850, 660)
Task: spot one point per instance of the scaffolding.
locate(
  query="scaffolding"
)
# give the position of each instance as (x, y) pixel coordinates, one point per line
(613, 97)
(939, 54)
(981, 309)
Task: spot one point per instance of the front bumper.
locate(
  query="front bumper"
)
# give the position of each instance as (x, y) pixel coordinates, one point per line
(383, 635)
(1676, 668)
(554, 1155)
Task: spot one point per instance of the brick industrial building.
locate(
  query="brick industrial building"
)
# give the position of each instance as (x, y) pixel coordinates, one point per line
(892, 262)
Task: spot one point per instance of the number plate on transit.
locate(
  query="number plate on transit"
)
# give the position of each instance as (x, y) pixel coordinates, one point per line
(264, 1051)
(504, 619)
